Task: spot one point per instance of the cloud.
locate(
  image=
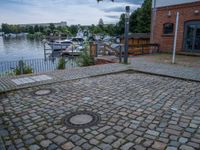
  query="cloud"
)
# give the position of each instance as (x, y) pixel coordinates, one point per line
(112, 16)
(73, 11)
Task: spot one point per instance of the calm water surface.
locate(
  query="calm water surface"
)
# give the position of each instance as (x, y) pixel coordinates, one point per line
(18, 48)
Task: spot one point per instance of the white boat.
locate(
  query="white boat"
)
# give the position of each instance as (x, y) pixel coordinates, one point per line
(73, 50)
(77, 40)
(60, 45)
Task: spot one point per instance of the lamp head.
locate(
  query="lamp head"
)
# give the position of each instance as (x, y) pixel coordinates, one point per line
(127, 9)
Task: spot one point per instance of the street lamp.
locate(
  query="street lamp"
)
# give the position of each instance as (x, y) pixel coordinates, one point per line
(127, 14)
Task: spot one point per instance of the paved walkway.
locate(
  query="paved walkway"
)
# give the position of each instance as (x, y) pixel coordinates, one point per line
(142, 64)
(137, 112)
(137, 64)
(7, 84)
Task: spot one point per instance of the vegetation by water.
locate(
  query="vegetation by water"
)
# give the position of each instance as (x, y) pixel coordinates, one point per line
(61, 63)
(85, 59)
(140, 21)
(24, 70)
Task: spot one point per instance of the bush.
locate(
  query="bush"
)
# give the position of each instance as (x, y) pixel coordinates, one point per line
(25, 70)
(85, 59)
(61, 63)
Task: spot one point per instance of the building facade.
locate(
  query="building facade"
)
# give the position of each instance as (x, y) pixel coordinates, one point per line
(59, 24)
(164, 23)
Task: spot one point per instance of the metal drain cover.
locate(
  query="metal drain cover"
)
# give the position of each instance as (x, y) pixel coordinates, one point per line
(43, 92)
(81, 119)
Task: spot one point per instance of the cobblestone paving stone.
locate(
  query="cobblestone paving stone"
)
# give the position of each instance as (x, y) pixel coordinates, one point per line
(138, 111)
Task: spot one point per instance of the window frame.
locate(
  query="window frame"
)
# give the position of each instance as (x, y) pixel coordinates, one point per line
(166, 31)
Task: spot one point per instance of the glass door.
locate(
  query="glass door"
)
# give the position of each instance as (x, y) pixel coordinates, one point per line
(192, 36)
(197, 39)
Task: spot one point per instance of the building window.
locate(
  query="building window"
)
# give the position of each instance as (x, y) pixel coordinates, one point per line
(168, 28)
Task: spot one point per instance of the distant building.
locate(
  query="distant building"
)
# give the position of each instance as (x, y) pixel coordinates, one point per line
(60, 24)
(164, 22)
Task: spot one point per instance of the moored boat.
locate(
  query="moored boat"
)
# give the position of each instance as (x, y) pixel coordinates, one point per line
(60, 45)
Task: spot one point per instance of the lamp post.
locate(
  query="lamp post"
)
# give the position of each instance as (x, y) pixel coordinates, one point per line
(175, 38)
(126, 34)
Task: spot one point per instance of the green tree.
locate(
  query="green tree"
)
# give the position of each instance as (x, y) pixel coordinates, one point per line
(47, 31)
(36, 28)
(140, 19)
(51, 27)
(120, 26)
(73, 29)
(41, 29)
(101, 24)
(30, 30)
(5, 28)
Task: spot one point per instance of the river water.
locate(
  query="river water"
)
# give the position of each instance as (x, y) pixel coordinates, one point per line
(31, 52)
(17, 48)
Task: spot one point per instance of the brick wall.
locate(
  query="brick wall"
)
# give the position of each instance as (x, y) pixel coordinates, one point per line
(161, 17)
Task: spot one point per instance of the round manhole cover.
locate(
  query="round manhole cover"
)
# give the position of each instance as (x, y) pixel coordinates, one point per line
(82, 119)
(43, 92)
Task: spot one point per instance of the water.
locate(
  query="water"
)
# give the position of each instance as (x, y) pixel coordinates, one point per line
(17, 48)
(31, 52)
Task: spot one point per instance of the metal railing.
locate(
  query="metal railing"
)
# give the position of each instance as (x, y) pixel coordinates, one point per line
(8, 68)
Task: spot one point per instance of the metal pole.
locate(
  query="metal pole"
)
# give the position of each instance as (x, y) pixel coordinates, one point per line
(175, 38)
(126, 34)
(21, 67)
(45, 57)
(97, 49)
(120, 54)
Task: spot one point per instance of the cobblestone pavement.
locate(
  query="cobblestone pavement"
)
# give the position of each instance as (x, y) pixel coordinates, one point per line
(137, 63)
(185, 72)
(137, 111)
(6, 83)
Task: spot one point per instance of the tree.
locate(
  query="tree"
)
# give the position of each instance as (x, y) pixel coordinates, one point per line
(73, 29)
(36, 28)
(30, 30)
(5, 28)
(140, 19)
(51, 27)
(101, 24)
(41, 29)
(120, 27)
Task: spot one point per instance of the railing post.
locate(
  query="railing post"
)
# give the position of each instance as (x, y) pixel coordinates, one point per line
(45, 57)
(21, 66)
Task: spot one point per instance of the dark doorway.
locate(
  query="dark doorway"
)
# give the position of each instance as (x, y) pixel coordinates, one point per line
(192, 36)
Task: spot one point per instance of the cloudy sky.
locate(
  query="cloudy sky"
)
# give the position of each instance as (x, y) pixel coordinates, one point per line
(83, 12)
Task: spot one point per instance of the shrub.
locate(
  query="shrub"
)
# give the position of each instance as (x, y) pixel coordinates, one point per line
(61, 63)
(25, 69)
(85, 59)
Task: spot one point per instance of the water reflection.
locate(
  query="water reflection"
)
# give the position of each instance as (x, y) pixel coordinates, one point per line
(18, 48)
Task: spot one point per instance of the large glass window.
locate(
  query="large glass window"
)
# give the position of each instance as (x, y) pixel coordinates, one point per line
(192, 36)
(168, 28)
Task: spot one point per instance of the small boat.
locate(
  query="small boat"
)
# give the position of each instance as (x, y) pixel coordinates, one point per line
(60, 45)
(77, 40)
(73, 50)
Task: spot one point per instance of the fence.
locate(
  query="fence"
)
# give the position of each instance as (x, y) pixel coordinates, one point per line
(8, 68)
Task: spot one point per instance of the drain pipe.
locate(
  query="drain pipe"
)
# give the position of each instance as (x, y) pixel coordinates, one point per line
(175, 38)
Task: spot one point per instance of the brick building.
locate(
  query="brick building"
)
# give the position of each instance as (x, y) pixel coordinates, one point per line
(164, 23)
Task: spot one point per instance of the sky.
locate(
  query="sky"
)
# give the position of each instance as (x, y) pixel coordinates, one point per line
(84, 12)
